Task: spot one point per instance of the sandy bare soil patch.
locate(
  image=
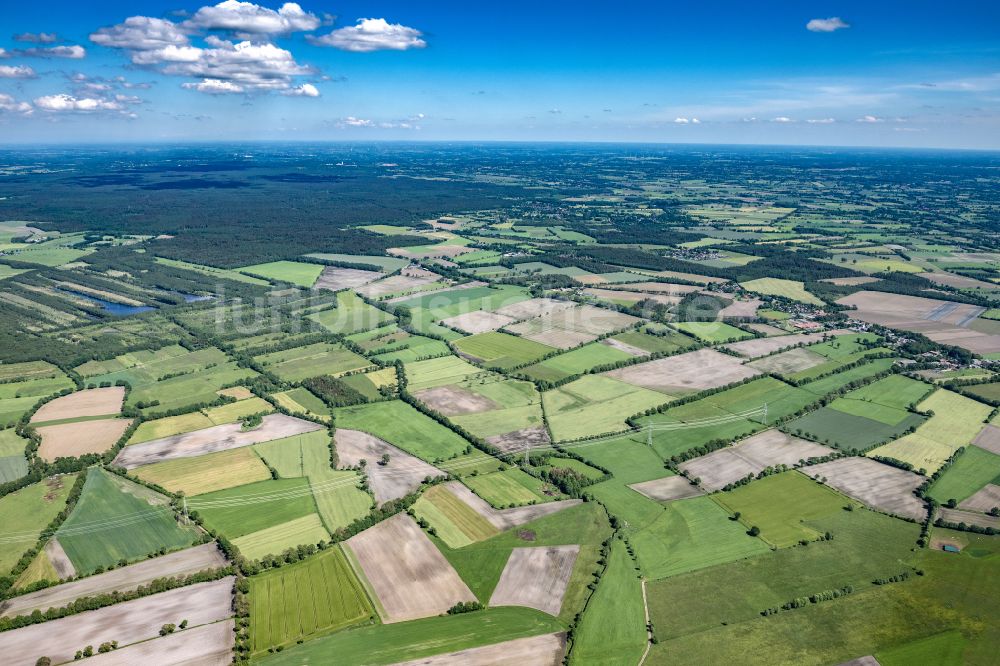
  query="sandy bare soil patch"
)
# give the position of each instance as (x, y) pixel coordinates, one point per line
(959, 281)
(763, 346)
(879, 486)
(210, 440)
(402, 475)
(788, 362)
(534, 307)
(969, 518)
(335, 278)
(207, 645)
(660, 288)
(632, 296)
(851, 281)
(984, 500)
(394, 284)
(667, 489)
(747, 308)
(572, 326)
(199, 558)
(479, 321)
(624, 347)
(435, 251)
(127, 623)
(544, 650)
(561, 338)
(452, 400)
(69, 440)
(58, 559)
(692, 371)
(504, 519)
(989, 439)
(942, 321)
(408, 574)
(536, 578)
(517, 440)
(91, 402)
(750, 456)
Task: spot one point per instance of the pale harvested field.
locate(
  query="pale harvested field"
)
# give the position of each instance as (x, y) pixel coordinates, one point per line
(504, 519)
(478, 321)
(851, 281)
(544, 650)
(395, 284)
(408, 574)
(692, 371)
(969, 518)
(959, 281)
(879, 486)
(660, 288)
(763, 346)
(451, 400)
(127, 623)
(746, 308)
(690, 277)
(943, 321)
(572, 326)
(750, 456)
(518, 439)
(210, 440)
(335, 279)
(561, 338)
(199, 558)
(624, 347)
(91, 402)
(402, 475)
(69, 440)
(58, 559)
(536, 578)
(667, 489)
(988, 439)
(984, 500)
(207, 645)
(788, 362)
(534, 307)
(435, 251)
(632, 296)
(767, 329)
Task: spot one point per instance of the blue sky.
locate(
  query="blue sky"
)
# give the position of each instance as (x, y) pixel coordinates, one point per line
(821, 73)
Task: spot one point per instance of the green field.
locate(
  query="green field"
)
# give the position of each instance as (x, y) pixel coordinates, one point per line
(13, 464)
(403, 641)
(666, 341)
(712, 332)
(501, 350)
(351, 315)
(511, 487)
(321, 358)
(399, 424)
(613, 628)
(212, 271)
(945, 649)
(956, 421)
(27, 512)
(989, 392)
(388, 264)
(238, 511)
(295, 272)
(974, 468)
(307, 530)
(790, 289)
(438, 372)
(457, 524)
(781, 506)
(845, 431)
(116, 520)
(595, 404)
(575, 362)
(627, 456)
(307, 599)
(368, 383)
(208, 473)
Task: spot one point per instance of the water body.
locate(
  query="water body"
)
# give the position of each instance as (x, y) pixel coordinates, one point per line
(194, 298)
(117, 309)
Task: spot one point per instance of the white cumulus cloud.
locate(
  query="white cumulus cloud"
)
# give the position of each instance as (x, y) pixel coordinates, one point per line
(820, 121)
(831, 24)
(16, 72)
(868, 119)
(10, 105)
(681, 121)
(305, 90)
(37, 38)
(74, 52)
(68, 103)
(351, 121)
(248, 18)
(140, 33)
(372, 34)
(215, 87)
(782, 119)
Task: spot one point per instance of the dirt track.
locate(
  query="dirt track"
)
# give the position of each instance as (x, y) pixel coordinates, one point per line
(536, 578)
(544, 650)
(504, 519)
(210, 440)
(92, 402)
(206, 556)
(127, 623)
(402, 475)
(408, 574)
(207, 645)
